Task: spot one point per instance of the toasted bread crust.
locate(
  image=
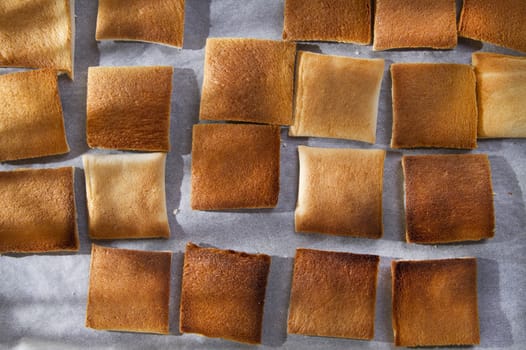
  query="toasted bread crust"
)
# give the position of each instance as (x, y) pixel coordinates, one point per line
(223, 293)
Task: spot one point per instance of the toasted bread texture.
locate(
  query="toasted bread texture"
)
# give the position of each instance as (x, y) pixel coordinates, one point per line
(129, 290)
(346, 21)
(128, 108)
(435, 302)
(37, 34)
(337, 97)
(333, 294)
(340, 192)
(434, 105)
(38, 212)
(448, 198)
(223, 293)
(415, 24)
(497, 22)
(501, 87)
(31, 119)
(156, 21)
(126, 195)
(249, 80)
(235, 166)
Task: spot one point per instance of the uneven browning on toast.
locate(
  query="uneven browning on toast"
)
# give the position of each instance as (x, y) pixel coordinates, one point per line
(31, 118)
(38, 212)
(448, 198)
(223, 293)
(129, 290)
(346, 21)
(156, 21)
(415, 24)
(337, 97)
(435, 302)
(340, 192)
(248, 80)
(37, 34)
(333, 294)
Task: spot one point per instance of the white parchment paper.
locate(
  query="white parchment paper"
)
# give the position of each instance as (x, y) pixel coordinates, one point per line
(43, 297)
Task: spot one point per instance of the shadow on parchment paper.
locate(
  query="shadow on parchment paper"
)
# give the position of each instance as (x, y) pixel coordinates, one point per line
(74, 93)
(308, 47)
(289, 171)
(510, 211)
(82, 211)
(459, 4)
(385, 108)
(277, 302)
(8, 333)
(184, 113)
(393, 198)
(19, 325)
(383, 325)
(473, 45)
(184, 110)
(196, 24)
(175, 292)
(495, 328)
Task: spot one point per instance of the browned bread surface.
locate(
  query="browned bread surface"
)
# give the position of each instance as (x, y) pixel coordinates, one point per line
(126, 195)
(448, 198)
(337, 96)
(434, 105)
(129, 290)
(31, 119)
(414, 24)
(157, 21)
(501, 91)
(223, 293)
(248, 80)
(333, 294)
(340, 191)
(37, 34)
(435, 302)
(347, 21)
(499, 22)
(129, 108)
(37, 213)
(235, 166)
